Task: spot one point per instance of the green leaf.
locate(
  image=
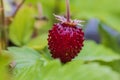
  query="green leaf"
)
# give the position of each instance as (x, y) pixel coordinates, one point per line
(27, 60)
(39, 42)
(24, 57)
(5, 60)
(31, 2)
(92, 52)
(30, 65)
(75, 70)
(115, 65)
(21, 29)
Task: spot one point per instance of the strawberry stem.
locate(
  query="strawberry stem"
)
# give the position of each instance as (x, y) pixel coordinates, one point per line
(68, 10)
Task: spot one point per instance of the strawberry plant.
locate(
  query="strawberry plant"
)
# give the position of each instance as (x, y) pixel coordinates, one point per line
(82, 44)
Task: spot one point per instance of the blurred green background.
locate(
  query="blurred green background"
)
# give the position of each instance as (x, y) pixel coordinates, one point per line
(27, 56)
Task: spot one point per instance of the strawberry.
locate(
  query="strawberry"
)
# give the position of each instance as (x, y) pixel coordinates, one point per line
(65, 39)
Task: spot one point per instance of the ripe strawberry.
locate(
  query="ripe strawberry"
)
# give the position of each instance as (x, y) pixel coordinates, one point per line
(65, 39)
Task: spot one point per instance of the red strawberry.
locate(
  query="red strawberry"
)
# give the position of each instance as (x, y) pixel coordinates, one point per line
(65, 39)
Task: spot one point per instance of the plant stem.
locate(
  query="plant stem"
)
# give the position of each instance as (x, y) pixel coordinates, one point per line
(40, 11)
(68, 10)
(2, 13)
(19, 6)
(3, 32)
